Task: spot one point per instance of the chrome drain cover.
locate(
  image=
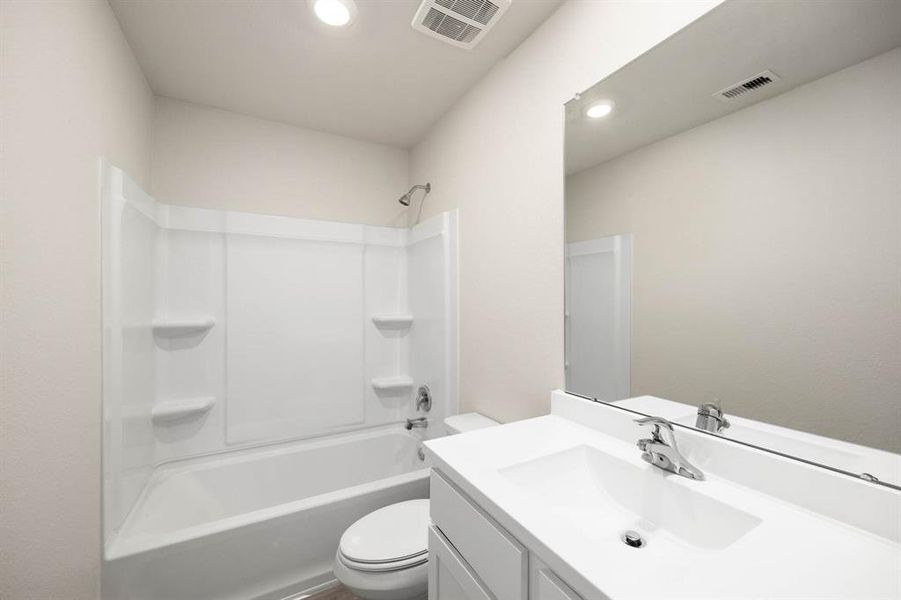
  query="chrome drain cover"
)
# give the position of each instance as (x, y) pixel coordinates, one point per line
(633, 539)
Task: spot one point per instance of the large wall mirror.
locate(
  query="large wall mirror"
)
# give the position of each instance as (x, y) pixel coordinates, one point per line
(733, 232)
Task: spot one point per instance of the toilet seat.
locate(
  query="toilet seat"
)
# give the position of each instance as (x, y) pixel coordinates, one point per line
(390, 539)
(400, 565)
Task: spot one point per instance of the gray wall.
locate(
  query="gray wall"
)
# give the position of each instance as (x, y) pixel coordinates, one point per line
(767, 252)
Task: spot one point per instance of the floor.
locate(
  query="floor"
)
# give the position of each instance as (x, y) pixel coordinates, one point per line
(338, 593)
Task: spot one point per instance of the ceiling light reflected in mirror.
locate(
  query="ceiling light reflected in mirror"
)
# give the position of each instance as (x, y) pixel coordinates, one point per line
(599, 110)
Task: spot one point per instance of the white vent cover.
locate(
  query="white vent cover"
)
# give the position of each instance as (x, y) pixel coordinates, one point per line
(462, 23)
(751, 84)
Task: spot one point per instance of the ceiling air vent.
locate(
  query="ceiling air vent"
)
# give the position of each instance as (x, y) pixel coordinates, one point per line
(751, 84)
(462, 23)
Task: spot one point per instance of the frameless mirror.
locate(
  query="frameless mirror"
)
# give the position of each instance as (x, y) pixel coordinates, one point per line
(733, 232)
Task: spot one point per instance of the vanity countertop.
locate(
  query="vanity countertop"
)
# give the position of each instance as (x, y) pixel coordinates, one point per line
(568, 492)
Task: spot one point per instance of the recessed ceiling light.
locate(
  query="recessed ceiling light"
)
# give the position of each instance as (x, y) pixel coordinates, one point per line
(336, 13)
(601, 109)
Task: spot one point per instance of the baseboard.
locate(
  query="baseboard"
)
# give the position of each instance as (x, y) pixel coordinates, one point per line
(322, 587)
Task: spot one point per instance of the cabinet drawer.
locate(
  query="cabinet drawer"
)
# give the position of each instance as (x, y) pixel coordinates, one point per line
(449, 576)
(498, 559)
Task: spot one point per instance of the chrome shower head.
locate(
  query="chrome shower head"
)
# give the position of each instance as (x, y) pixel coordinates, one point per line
(405, 199)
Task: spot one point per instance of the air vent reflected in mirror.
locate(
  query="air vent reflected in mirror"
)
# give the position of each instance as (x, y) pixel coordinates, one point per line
(751, 84)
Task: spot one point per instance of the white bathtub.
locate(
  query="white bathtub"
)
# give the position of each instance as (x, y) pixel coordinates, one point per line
(257, 524)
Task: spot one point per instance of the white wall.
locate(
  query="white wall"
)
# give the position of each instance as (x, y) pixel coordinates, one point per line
(211, 158)
(71, 92)
(767, 249)
(498, 157)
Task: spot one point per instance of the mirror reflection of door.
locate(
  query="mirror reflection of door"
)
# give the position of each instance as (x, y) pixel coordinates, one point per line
(598, 276)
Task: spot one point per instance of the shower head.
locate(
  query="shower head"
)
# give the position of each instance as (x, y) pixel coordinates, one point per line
(405, 199)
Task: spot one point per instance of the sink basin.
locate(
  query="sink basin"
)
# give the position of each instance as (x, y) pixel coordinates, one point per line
(603, 496)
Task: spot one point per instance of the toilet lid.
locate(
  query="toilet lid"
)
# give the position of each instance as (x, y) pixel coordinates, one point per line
(395, 533)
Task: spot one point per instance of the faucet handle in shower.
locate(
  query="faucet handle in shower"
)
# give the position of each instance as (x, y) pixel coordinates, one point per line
(423, 399)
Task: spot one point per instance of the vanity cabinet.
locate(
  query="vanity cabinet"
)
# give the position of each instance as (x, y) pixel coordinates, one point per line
(545, 585)
(471, 557)
(450, 578)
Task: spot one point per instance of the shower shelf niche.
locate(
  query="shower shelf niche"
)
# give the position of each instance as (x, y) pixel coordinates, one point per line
(173, 410)
(398, 321)
(392, 384)
(182, 327)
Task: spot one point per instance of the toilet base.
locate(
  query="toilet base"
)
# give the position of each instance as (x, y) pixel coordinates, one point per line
(406, 584)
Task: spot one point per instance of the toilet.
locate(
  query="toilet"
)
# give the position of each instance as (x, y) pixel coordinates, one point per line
(385, 555)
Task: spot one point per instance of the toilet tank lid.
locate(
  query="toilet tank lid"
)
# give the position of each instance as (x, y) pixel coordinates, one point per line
(468, 422)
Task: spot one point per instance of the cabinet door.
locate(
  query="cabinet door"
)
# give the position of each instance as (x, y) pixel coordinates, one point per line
(450, 578)
(496, 557)
(547, 586)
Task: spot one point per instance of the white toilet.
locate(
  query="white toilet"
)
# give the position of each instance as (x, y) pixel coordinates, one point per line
(385, 555)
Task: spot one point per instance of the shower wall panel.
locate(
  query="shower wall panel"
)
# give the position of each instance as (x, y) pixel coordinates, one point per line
(295, 337)
(129, 243)
(190, 286)
(432, 281)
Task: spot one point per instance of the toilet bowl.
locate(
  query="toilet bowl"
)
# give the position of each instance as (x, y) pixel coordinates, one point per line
(384, 555)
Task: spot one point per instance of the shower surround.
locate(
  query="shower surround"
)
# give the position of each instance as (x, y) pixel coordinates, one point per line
(242, 350)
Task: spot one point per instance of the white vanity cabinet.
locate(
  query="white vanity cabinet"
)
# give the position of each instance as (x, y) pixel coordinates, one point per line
(545, 585)
(471, 557)
(450, 578)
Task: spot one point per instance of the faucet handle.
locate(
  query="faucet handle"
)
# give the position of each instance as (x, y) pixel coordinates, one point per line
(656, 422)
(423, 398)
(711, 409)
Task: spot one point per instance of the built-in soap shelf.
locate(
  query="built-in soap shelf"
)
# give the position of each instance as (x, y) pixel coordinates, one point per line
(182, 327)
(392, 384)
(174, 410)
(393, 321)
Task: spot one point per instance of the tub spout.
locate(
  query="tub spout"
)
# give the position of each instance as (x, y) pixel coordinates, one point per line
(418, 423)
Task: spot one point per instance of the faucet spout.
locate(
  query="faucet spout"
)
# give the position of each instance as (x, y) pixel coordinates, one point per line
(418, 423)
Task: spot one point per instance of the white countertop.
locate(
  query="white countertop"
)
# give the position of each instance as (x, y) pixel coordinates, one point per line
(788, 552)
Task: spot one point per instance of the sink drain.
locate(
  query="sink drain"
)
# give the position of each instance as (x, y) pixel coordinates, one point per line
(633, 539)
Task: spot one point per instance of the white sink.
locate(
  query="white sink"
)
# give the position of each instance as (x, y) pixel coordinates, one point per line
(604, 496)
(568, 485)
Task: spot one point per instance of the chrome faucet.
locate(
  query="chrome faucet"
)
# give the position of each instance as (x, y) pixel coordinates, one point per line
(711, 417)
(661, 450)
(423, 398)
(418, 423)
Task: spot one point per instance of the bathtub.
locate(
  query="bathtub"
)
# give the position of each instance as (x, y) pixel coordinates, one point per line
(259, 524)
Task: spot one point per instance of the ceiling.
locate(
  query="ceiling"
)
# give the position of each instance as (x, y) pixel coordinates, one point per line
(376, 79)
(670, 89)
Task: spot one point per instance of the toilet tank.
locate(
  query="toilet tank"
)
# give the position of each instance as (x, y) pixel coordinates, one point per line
(467, 422)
